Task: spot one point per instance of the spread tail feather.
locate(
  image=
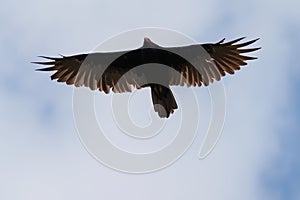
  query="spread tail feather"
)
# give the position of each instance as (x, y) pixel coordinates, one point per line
(163, 100)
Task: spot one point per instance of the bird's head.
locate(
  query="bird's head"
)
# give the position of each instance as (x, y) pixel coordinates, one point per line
(149, 44)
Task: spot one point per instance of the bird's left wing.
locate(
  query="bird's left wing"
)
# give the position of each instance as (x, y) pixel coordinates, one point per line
(204, 63)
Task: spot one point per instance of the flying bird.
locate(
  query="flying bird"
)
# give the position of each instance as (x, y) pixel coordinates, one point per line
(193, 65)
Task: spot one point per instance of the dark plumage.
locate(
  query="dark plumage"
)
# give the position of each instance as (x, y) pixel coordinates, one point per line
(192, 65)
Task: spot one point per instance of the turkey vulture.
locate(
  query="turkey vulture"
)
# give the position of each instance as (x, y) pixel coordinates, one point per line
(192, 65)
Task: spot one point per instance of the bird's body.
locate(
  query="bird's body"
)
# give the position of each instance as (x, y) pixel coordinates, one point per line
(192, 65)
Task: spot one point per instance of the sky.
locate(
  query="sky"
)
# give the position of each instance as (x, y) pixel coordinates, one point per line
(41, 155)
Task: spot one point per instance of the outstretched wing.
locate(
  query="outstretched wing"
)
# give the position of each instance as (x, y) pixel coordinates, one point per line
(95, 70)
(209, 62)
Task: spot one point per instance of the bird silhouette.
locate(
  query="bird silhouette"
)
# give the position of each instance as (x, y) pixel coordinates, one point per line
(193, 65)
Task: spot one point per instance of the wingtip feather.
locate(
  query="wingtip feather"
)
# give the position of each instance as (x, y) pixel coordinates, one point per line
(47, 57)
(246, 43)
(221, 41)
(44, 63)
(234, 41)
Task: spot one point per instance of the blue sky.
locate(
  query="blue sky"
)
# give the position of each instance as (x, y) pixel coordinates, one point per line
(257, 155)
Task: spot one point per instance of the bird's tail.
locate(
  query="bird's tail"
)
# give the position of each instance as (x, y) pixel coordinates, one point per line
(163, 100)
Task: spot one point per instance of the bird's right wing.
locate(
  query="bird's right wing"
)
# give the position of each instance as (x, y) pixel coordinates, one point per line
(96, 70)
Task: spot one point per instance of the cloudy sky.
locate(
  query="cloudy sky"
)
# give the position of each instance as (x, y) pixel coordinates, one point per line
(257, 155)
